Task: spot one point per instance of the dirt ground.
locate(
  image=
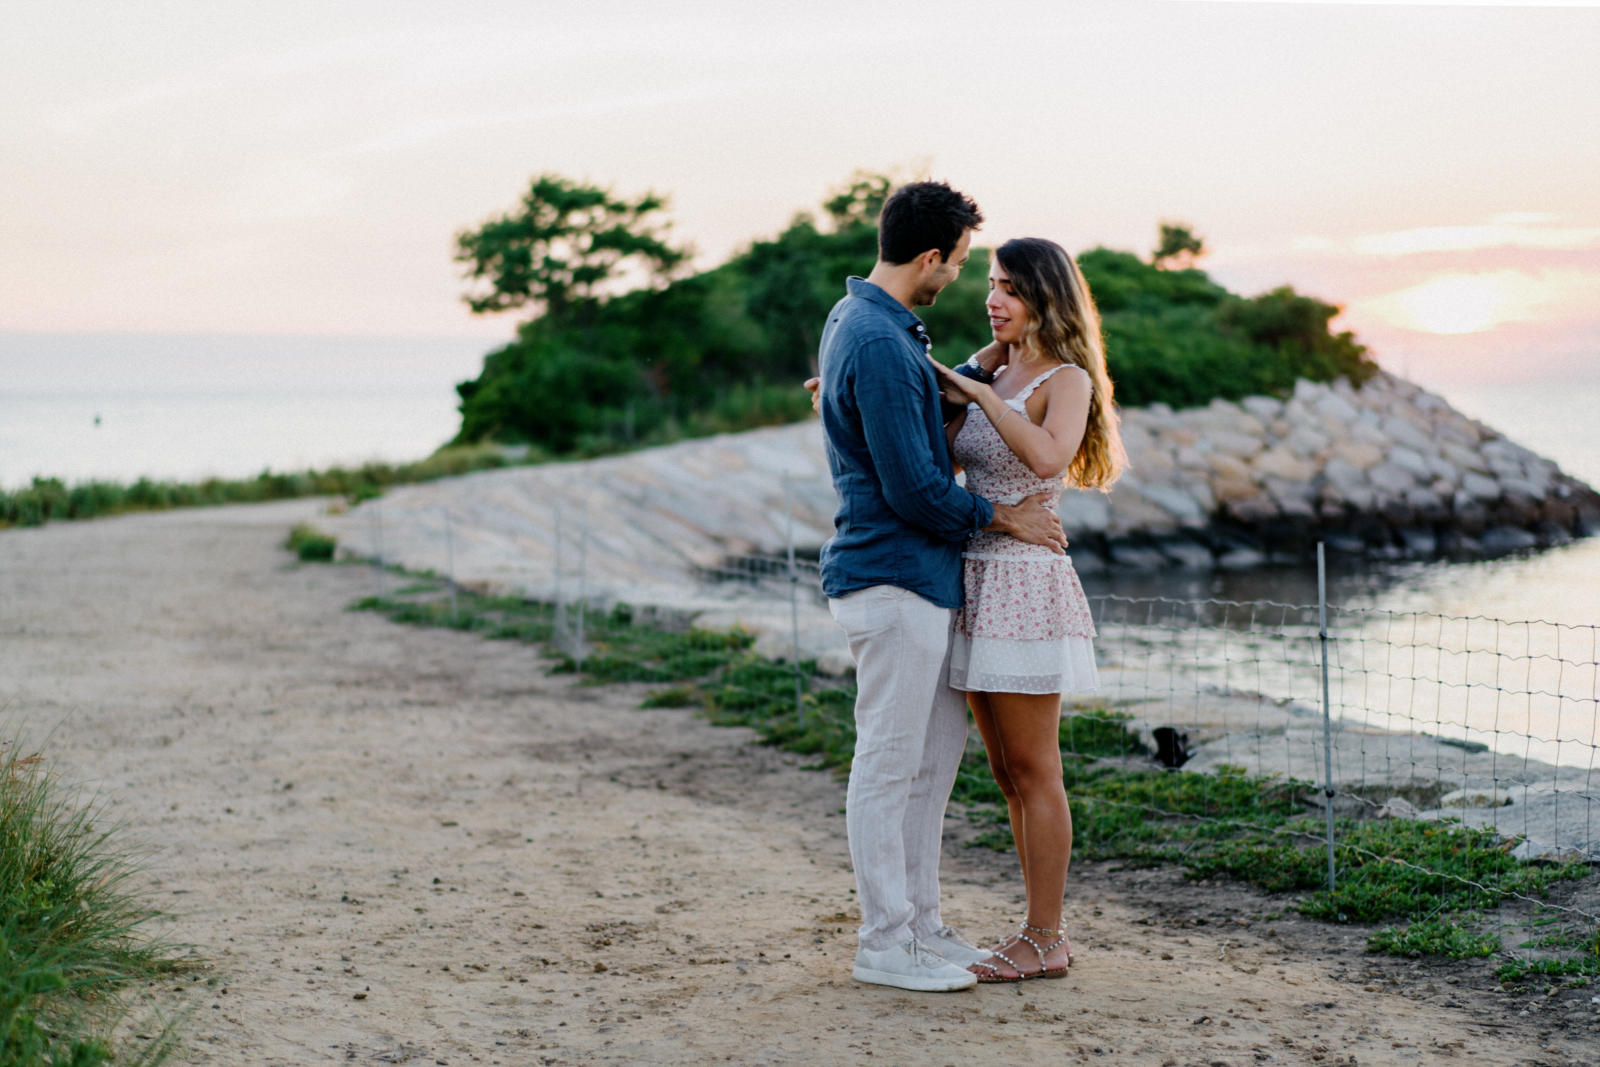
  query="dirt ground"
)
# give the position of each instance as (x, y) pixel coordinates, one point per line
(408, 846)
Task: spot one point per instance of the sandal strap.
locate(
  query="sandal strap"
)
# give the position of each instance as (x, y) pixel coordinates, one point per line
(1041, 951)
(1060, 936)
(1000, 956)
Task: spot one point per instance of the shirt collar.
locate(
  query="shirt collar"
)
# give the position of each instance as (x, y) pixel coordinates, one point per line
(865, 290)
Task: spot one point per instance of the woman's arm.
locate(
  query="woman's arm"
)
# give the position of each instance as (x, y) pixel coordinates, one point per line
(1059, 415)
(1059, 411)
(992, 356)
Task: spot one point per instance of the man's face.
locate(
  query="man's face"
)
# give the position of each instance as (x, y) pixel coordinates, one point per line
(944, 272)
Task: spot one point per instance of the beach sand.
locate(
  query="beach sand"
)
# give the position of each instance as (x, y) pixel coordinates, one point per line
(400, 845)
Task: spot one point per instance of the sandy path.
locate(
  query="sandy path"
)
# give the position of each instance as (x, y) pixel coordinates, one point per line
(416, 846)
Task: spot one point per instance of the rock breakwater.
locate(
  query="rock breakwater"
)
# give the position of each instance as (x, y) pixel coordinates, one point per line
(1386, 470)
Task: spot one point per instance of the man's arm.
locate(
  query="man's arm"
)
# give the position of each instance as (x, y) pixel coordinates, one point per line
(892, 400)
(1030, 521)
(949, 409)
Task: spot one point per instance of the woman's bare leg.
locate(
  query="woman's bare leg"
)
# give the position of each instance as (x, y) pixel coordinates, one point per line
(984, 717)
(1026, 736)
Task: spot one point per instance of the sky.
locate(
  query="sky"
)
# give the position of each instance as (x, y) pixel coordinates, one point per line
(301, 168)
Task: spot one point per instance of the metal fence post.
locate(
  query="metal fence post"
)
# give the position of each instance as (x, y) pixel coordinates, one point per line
(1327, 715)
(560, 620)
(450, 566)
(377, 548)
(794, 601)
(583, 591)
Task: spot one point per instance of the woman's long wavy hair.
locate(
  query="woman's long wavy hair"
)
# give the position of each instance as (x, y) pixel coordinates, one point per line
(1064, 326)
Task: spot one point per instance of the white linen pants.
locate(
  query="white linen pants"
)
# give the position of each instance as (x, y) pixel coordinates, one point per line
(911, 729)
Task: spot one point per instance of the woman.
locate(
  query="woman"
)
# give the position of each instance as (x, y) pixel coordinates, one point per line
(1024, 636)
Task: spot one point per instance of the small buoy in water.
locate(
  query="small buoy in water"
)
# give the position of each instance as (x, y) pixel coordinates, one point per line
(97, 418)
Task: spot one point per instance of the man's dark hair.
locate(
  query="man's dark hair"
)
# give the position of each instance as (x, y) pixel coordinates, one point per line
(924, 215)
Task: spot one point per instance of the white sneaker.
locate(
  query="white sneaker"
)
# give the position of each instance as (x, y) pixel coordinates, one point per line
(949, 943)
(911, 965)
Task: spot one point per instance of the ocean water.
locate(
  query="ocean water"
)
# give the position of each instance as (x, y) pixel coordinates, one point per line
(81, 407)
(187, 435)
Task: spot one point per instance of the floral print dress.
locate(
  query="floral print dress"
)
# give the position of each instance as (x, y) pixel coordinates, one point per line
(1025, 626)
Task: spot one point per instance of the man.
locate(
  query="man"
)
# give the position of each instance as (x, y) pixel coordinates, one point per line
(892, 573)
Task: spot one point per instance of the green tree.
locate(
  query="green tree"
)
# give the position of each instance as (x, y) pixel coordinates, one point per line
(1178, 337)
(564, 242)
(859, 202)
(1178, 247)
(596, 369)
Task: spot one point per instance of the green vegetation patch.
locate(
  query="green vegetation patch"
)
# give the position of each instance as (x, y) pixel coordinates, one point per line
(70, 930)
(52, 500)
(310, 544)
(1436, 937)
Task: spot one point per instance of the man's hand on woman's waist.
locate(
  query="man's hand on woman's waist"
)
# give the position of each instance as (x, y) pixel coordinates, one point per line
(1030, 521)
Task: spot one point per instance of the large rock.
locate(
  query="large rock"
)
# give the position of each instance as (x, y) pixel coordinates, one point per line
(1412, 462)
(1403, 431)
(1177, 503)
(1188, 554)
(1228, 489)
(1427, 505)
(1391, 480)
(1235, 443)
(1229, 468)
(1131, 512)
(1137, 556)
(1156, 465)
(1504, 540)
(1468, 513)
(1331, 406)
(1086, 511)
(1282, 463)
(1479, 486)
(1342, 477)
(1419, 543)
(1306, 442)
(1362, 455)
(1463, 458)
(1296, 500)
(1251, 511)
(1138, 442)
(1264, 408)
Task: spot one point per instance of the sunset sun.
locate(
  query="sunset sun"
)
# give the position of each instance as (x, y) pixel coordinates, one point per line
(1453, 305)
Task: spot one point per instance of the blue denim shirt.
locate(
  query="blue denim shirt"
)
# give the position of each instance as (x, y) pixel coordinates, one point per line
(902, 519)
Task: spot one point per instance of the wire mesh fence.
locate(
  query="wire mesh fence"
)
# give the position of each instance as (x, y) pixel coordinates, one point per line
(1432, 773)
(1448, 771)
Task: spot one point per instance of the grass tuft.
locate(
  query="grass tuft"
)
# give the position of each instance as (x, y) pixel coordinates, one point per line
(70, 941)
(52, 500)
(1434, 937)
(311, 544)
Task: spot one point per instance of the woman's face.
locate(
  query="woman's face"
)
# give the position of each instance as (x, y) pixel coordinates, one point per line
(1008, 317)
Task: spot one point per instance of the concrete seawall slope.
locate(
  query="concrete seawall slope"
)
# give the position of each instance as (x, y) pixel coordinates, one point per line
(1386, 471)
